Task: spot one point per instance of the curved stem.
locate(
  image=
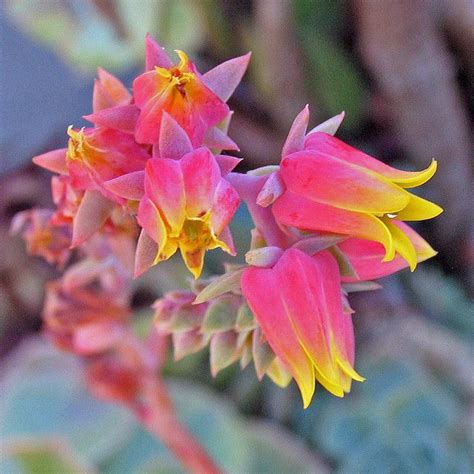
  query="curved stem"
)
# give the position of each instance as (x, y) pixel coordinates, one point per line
(157, 413)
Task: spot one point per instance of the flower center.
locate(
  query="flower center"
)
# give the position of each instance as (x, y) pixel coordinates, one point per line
(176, 75)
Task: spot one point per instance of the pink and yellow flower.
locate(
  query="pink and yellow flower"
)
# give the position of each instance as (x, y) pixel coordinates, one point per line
(298, 304)
(187, 206)
(197, 102)
(332, 187)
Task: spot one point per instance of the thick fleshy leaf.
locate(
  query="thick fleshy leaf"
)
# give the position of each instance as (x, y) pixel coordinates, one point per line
(262, 354)
(220, 316)
(145, 255)
(271, 190)
(174, 142)
(91, 215)
(245, 320)
(279, 373)
(223, 351)
(122, 117)
(201, 176)
(260, 287)
(295, 140)
(419, 209)
(296, 211)
(54, 161)
(330, 126)
(164, 186)
(189, 342)
(328, 180)
(224, 78)
(155, 55)
(332, 146)
(129, 186)
(228, 282)
(316, 243)
(264, 257)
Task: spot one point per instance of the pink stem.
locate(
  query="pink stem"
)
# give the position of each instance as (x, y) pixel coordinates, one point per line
(158, 415)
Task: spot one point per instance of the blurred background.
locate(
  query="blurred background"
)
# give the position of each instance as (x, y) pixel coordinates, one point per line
(403, 72)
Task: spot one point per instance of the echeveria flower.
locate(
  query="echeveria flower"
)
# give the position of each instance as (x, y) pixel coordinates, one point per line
(298, 304)
(332, 187)
(187, 205)
(195, 101)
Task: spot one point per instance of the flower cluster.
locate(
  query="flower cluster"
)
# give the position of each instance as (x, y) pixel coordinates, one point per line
(152, 175)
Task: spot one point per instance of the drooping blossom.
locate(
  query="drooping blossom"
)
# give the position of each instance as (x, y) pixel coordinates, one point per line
(332, 187)
(197, 102)
(298, 304)
(187, 206)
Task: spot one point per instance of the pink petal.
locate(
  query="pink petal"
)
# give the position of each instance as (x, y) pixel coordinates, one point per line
(227, 163)
(260, 286)
(150, 220)
(216, 138)
(147, 250)
(328, 180)
(311, 293)
(296, 211)
(122, 117)
(155, 55)
(225, 77)
(201, 176)
(174, 142)
(295, 140)
(91, 215)
(332, 146)
(226, 237)
(129, 186)
(366, 256)
(226, 202)
(109, 91)
(54, 161)
(164, 186)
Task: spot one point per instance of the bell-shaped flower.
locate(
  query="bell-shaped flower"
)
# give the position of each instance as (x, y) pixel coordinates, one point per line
(298, 305)
(187, 206)
(197, 102)
(333, 187)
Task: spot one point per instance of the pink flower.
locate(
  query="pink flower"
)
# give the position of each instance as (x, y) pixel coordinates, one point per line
(298, 304)
(332, 187)
(187, 205)
(195, 101)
